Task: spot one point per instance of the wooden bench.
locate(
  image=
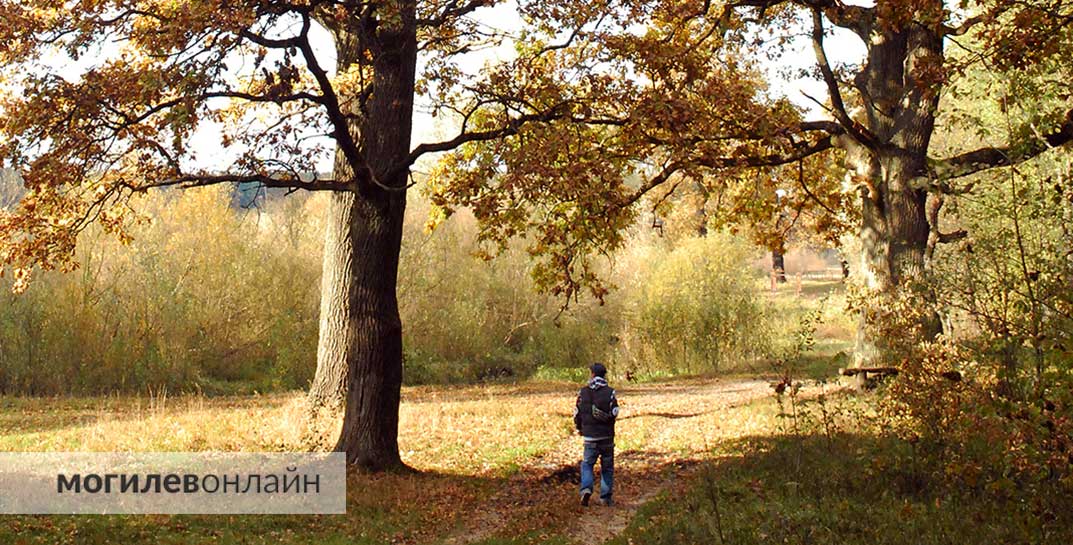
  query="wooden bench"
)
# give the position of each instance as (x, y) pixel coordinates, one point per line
(873, 374)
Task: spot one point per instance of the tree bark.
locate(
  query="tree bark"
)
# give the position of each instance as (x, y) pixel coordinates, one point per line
(778, 266)
(369, 436)
(359, 356)
(900, 115)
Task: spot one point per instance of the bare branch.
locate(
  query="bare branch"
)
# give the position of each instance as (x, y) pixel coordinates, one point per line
(799, 153)
(453, 10)
(808, 191)
(510, 128)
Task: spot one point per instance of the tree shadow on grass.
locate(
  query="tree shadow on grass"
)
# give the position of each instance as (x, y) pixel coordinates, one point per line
(847, 488)
(411, 507)
(672, 416)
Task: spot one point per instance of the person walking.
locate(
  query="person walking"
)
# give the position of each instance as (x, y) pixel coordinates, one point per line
(594, 417)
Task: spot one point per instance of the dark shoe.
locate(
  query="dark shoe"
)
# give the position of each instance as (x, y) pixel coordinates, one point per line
(585, 495)
(608, 502)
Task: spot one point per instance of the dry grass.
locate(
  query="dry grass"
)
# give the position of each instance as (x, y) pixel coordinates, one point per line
(467, 430)
(475, 447)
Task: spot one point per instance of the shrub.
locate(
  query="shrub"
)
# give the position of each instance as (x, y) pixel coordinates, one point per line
(214, 297)
(698, 308)
(204, 298)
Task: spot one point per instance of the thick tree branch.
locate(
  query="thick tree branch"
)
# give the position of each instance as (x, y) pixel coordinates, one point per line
(338, 118)
(272, 43)
(954, 236)
(991, 157)
(827, 126)
(859, 19)
(201, 180)
(935, 237)
(670, 169)
(856, 130)
(798, 153)
(964, 27)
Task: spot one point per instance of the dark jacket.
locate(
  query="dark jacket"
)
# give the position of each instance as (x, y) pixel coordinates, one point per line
(592, 427)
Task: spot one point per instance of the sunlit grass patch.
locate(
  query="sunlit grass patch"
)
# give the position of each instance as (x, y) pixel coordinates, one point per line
(185, 423)
(470, 446)
(473, 429)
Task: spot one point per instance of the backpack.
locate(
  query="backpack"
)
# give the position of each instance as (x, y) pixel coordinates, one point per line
(598, 414)
(602, 417)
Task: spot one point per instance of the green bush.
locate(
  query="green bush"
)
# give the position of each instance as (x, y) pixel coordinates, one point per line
(698, 308)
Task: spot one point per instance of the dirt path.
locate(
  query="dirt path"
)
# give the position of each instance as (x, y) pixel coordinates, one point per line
(664, 431)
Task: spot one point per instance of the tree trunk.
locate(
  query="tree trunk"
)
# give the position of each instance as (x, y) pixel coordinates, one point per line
(336, 289)
(372, 329)
(778, 266)
(894, 236)
(894, 231)
(901, 117)
(359, 356)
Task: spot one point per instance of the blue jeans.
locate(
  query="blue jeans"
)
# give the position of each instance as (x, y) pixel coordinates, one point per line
(606, 451)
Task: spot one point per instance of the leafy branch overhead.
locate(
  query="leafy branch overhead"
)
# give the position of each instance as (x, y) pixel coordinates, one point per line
(685, 99)
(165, 74)
(599, 105)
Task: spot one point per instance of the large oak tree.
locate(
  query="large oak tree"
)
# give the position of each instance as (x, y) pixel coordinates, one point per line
(877, 119)
(106, 99)
(597, 105)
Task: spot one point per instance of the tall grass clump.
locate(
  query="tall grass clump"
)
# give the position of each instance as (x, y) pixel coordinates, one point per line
(698, 307)
(213, 297)
(206, 298)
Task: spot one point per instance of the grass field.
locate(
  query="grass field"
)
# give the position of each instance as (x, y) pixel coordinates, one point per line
(698, 460)
(504, 451)
(493, 463)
